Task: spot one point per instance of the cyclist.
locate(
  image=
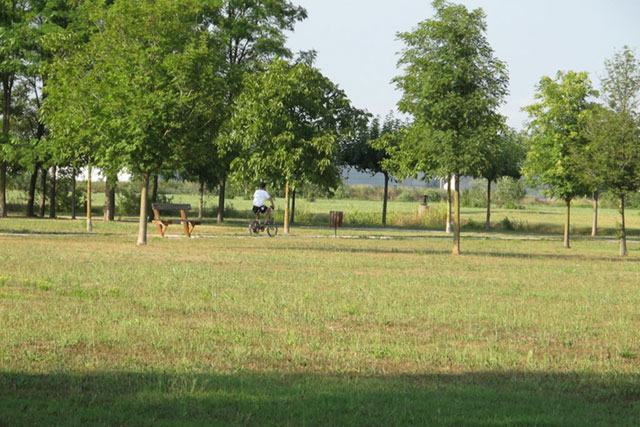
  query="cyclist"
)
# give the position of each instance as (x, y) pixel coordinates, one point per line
(259, 198)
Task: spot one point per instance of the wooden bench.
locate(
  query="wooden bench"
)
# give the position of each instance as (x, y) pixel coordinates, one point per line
(162, 224)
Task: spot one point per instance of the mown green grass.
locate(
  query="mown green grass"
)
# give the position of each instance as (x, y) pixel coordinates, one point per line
(228, 329)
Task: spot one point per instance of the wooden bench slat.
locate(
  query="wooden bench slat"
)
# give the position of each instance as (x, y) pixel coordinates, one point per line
(170, 206)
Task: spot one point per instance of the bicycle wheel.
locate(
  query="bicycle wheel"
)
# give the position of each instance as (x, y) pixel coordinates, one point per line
(272, 229)
(254, 228)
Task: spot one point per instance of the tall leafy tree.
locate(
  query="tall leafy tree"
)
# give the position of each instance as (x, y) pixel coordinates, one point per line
(73, 109)
(14, 37)
(452, 85)
(556, 130)
(371, 147)
(612, 155)
(251, 33)
(289, 121)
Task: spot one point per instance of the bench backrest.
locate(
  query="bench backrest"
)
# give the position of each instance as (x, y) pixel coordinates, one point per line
(170, 207)
(157, 207)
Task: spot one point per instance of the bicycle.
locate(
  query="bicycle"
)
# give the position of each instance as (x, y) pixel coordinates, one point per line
(256, 227)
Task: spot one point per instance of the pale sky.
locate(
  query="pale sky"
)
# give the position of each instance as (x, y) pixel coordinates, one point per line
(357, 46)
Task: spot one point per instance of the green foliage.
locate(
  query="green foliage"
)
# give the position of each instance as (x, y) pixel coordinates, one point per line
(288, 122)
(556, 128)
(612, 156)
(452, 85)
(505, 156)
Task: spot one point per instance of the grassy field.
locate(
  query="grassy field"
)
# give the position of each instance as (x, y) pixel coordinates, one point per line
(383, 328)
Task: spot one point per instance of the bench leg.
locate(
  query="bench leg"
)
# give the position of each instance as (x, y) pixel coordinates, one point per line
(161, 229)
(187, 232)
(191, 227)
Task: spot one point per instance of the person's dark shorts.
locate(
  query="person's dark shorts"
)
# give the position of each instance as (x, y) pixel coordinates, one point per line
(261, 209)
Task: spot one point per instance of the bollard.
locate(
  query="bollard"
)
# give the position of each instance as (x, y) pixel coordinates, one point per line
(335, 221)
(423, 208)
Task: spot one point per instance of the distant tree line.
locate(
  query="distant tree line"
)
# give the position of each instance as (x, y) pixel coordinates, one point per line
(206, 90)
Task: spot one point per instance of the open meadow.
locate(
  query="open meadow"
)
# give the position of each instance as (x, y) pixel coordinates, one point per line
(380, 327)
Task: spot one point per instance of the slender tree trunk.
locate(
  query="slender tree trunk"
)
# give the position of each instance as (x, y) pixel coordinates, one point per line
(43, 189)
(89, 217)
(286, 208)
(223, 188)
(385, 198)
(567, 225)
(6, 110)
(487, 224)
(623, 231)
(201, 202)
(142, 225)
(109, 200)
(73, 193)
(52, 196)
(456, 217)
(154, 195)
(594, 227)
(293, 206)
(449, 206)
(31, 200)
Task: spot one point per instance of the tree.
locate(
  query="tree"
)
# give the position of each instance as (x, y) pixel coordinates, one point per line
(371, 147)
(73, 109)
(289, 120)
(555, 127)
(505, 158)
(452, 85)
(252, 32)
(14, 28)
(612, 155)
(127, 83)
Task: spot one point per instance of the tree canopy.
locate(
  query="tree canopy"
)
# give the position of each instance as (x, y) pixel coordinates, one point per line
(452, 85)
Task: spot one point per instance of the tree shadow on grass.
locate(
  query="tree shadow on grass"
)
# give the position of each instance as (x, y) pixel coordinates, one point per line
(246, 398)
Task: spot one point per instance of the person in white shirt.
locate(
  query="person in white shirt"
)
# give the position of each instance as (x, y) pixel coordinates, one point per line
(259, 198)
